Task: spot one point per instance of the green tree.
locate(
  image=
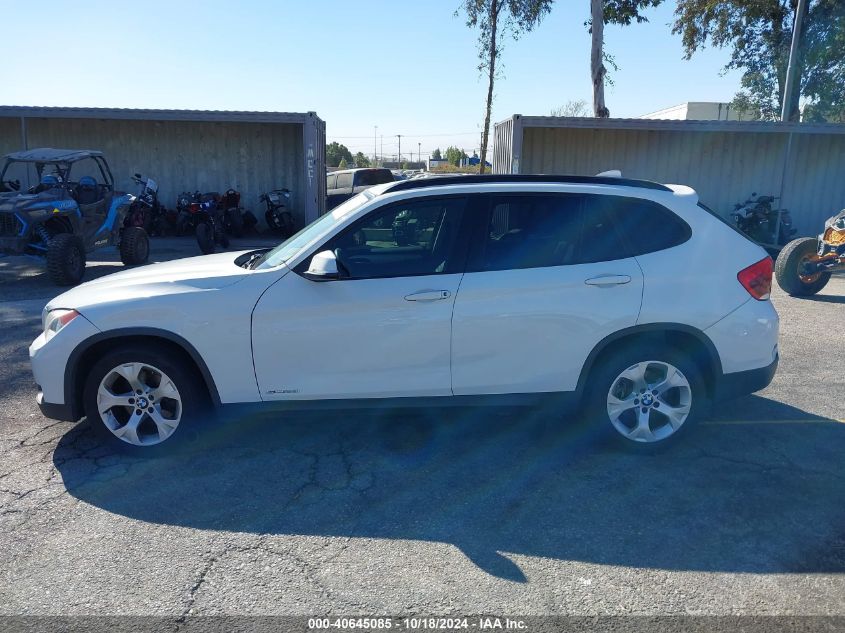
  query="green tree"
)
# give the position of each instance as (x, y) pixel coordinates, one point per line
(342, 164)
(361, 160)
(435, 155)
(335, 152)
(454, 155)
(759, 34)
(494, 19)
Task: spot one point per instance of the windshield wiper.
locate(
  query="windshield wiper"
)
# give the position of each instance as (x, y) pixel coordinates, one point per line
(254, 260)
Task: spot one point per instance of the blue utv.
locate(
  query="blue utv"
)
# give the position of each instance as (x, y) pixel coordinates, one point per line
(60, 204)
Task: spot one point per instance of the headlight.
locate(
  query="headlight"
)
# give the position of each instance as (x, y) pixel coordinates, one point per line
(55, 320)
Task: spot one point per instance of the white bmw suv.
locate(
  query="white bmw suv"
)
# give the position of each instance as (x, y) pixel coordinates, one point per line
(627, 297)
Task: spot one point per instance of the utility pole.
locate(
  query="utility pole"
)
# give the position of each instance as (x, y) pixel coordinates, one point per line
(375, 148)
(791, 69)
(419, 152)
(399, 162)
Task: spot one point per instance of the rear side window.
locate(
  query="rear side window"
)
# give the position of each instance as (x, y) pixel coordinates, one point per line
(538, 231)
(647, 227)
(331, 181)
(344, 181)
(372, 177)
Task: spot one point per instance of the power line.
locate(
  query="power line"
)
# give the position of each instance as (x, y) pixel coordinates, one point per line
(332, 136)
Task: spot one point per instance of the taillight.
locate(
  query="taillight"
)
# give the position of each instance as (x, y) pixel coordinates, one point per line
(757, 279)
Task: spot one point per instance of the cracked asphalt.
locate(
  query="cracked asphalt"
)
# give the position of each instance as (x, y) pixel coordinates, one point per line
(437, 512)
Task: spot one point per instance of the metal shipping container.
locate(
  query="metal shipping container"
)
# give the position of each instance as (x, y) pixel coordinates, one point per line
(724, 161)
(187, 150)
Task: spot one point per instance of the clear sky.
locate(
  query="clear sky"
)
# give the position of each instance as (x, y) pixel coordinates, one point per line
(408, 67)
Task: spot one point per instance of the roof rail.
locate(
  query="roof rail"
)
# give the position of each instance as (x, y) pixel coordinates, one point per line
(471, 179)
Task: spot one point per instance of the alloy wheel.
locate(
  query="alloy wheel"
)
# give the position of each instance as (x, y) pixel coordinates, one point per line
(139, 404)
(649, 401)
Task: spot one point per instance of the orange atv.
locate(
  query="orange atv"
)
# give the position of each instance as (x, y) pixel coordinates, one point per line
(804, 265)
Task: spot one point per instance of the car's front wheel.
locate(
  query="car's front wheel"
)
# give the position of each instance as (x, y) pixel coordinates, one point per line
(644, 398)
(140, 399)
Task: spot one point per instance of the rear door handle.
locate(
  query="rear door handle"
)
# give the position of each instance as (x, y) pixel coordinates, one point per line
(428, 295)
(608, 280)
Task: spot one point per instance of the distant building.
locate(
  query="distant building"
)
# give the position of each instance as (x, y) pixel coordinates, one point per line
(433, 163)
(700, 111)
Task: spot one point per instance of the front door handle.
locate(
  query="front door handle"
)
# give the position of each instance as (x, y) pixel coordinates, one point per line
(428, 295)
(608, 280)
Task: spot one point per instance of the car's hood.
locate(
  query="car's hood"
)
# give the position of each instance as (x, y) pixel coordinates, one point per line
(192, 274)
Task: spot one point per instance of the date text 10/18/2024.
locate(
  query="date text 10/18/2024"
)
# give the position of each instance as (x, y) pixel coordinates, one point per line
(482, 623)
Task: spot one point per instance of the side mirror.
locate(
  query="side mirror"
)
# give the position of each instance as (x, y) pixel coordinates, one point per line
(323, 267)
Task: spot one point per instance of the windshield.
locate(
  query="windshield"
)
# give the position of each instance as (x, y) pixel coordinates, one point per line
(292, 246)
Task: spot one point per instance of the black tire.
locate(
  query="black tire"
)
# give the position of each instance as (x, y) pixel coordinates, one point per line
(608, 370)
(134, 246)
(236, 222)
(270, 219)
(787, 268)
(205, 238)
(195, 411)
(287, 224)
(66, 259)
(249, 221)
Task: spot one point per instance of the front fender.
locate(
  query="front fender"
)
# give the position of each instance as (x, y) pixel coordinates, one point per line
(115, 218)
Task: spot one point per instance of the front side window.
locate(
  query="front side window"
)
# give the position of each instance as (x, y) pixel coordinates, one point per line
(543, 230)
(416, 237)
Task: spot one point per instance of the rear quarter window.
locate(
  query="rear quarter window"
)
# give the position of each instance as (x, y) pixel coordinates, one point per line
(646, 226)
(344, 181)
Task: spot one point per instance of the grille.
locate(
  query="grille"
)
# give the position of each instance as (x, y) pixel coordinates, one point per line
(10, 225)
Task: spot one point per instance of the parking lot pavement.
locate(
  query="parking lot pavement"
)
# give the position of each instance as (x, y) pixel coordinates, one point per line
(464, 511)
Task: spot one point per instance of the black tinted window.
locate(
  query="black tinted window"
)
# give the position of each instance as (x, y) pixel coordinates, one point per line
(535, 231)
(416, 237)
(646, 225)
(372, 177)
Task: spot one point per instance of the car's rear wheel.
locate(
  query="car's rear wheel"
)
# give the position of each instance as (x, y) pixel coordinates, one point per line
(141, 399)
(66, 259)
(789, 268)
(134, 246)
(643, 398)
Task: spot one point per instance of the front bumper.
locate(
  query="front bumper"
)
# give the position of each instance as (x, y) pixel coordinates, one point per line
(49, 359)
(64, 412)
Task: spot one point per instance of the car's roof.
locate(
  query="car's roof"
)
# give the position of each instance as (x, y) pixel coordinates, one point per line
(50, 155)
(354, 169)
(516, 179)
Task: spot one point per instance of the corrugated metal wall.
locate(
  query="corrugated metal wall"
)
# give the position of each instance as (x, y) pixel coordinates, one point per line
(724, 167)
(184, 155)
(504, 156)
(315, 172)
